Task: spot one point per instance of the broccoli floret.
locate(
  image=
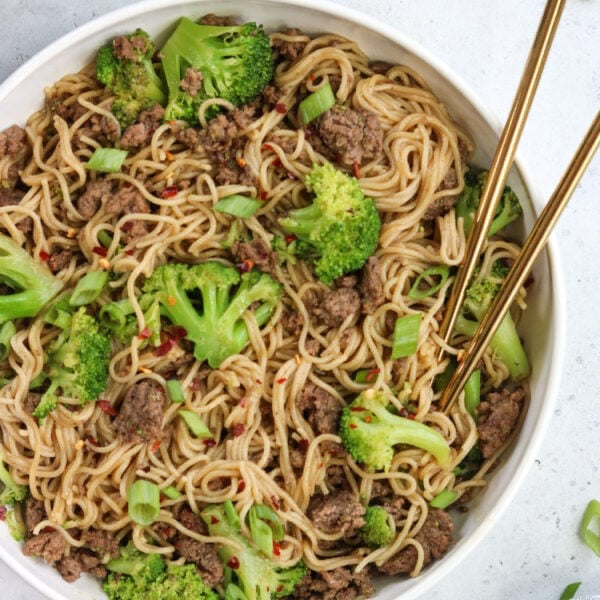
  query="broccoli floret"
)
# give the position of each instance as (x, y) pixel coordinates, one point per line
(509, 209)
(505, 343)
(254, 577)
(200, 298)
(77, 364)
(119, 319)
(133, 80)
(139, 576)
(286, 251)
(12, 492)
(340, 229)
(370, 431)
(376, 531)
(236, 63)
(32, 283)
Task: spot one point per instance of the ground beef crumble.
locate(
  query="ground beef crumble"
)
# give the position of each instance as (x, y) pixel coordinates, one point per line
(319, 408)
(141, 132)
(286, 49)
(258, 252)
(337, 512)
(342, 583)
(13, 141)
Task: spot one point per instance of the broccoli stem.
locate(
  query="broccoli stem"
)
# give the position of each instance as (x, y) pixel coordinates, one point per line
(302, 221)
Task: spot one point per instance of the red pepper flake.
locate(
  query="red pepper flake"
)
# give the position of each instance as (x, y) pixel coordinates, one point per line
(171, 300)
(210, 443)
(356, 169)
(264, 195)
(281, 380)
(238, 429)
(100, 251)
(107, 407)
(169, 156)
(277, 162)
(246, 265)
(155, 446)
(267, 147)
(44, 255)
(241, 486)
(244, 402)
(290, 238)
(279, 588)
(241, 162)
(411, 416)
(275, 502)
(259, 381)
(368, 419)
(48, 529)
(312, 77)
(178, 333)
(2, 513)
(303, 445)
(358, 409)
(233, 563)
(371, 374)
(129, 252)
(214, 520)
(165, 347)
(162, 498)
(128, 226)
(169, 192)
(353, 425)
(276, 548)
(281, 108)
(92, 440)
(196, 384)
(144, 334)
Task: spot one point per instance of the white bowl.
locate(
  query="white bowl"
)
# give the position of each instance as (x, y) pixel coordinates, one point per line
(543, 329)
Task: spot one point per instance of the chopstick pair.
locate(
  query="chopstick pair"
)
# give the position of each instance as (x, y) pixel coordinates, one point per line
(490, 197)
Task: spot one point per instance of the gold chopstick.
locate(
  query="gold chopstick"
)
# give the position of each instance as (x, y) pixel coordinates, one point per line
(501, 163)
(518, 273)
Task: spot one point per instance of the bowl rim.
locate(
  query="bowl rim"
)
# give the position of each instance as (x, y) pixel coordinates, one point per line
(364, 20)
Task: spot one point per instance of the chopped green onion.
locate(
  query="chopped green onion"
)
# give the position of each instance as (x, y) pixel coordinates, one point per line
(473, 392)
(366, 375)
(238, 206)
(88, 288)
(114, 315)
(175, 391)
(171, 492)
(570, 591)
(143, 502)
(266, 513)
(591, 538)
(444, 499)
(406, 335)
(441, 271)
(107, 160)
(262, 533)
(316, 104)
(232, 516)
(195, 424)
(7, 330)
(105, 238)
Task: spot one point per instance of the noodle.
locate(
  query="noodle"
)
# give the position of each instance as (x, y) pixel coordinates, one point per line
(76, 465)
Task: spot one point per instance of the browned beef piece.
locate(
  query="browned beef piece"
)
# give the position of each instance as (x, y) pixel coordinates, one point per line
(50, 546)
(99, 128)
(313, 347)
(435, 537)
(212, 19)
(141, 413)
(192, 81)
(350, 136)
(204, 556)
(69, 568)
(229, 172)
(398, 367)
(13, 141)
(130, 49)
(220, 135)
(371, 286)
(81, 560)
(94, 193)
(346, 281)
(126, 201)
(395, 505)
(245, 115)
(380, 67)
(271, 95)
(289, 50)
(31, 401)
(190, 520)
(337, 512)
(380, 488)
(70, 112)
(60, 260)
(35, 513)
(13, 197)
(188, 136)
(339, 584)
(319, 407)
(141, 132)
(102, 542)
(292, 322)
(258, 252)
(336, 306)
(165, 532)
(441, 206)
(498, 416)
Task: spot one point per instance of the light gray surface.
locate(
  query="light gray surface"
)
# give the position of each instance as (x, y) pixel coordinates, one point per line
(534, 551)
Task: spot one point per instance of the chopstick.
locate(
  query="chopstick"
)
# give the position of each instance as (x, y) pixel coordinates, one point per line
(518, 273)
(501, 164)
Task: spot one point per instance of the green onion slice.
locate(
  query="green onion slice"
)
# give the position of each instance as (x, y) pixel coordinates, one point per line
(88, 288)
(406, 335)
(265, 527)
(107, 160)
(114, 315)
(232, 516)
(195, 424)
(589, 536)
(473, 392)
(143, 502)
(233, 592)
(441, 271)
(175, 391)
(171, 492)
(317, 103)
(570, 591)
(444, 499)
(238, 206)
(105, 238)
(7, 330)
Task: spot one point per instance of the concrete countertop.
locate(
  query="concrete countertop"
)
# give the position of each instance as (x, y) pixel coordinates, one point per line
(534, 550)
